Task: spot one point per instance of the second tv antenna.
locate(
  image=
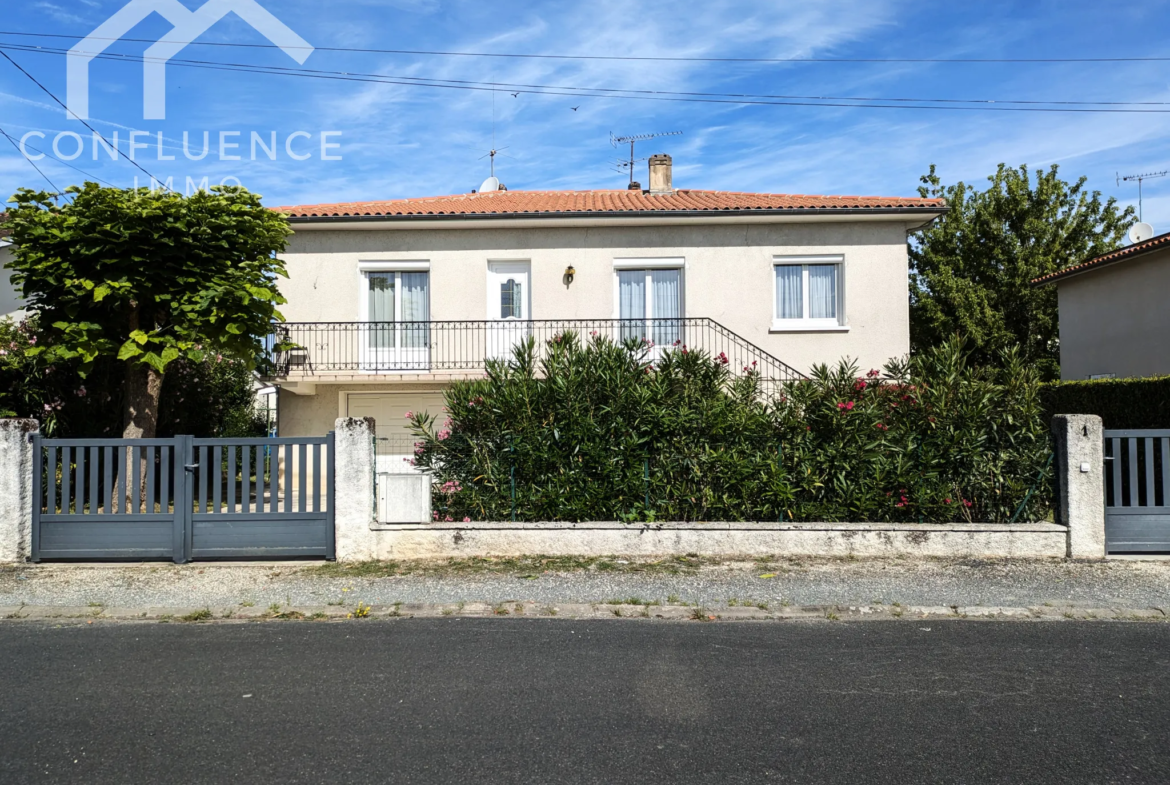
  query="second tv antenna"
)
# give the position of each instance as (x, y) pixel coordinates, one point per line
(633, 140)
(1139, 178)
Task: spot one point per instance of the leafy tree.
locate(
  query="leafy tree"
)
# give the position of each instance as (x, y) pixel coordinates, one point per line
(971, 270)
(214, 398)
(147, 278)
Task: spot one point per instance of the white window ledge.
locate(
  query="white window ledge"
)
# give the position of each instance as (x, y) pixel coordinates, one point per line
(802, 326)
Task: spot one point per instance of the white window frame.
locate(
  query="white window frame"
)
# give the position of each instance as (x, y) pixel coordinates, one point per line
(805, 324)
(655, 263)
(364, 268)
(400, 359)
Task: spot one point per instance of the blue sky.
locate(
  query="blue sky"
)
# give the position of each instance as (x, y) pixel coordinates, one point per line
(401, 141)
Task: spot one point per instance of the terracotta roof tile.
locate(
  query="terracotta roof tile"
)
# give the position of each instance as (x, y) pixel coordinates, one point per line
(517, 203)
(1137, 249)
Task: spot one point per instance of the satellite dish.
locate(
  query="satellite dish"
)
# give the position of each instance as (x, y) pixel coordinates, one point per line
(1140, 232)
(490, 184)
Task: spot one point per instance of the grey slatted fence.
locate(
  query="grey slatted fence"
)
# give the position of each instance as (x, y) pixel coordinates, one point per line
(84, 509)
(285, 510)
(1137, 480)
(183, 498)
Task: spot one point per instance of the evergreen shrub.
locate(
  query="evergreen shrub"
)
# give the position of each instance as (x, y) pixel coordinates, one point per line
(602, 431)
(1120, 403)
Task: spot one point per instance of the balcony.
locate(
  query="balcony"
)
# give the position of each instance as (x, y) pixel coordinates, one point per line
(331, 352)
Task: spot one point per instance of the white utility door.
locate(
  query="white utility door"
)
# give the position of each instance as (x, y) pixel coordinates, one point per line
(395, 443)
(509, 303)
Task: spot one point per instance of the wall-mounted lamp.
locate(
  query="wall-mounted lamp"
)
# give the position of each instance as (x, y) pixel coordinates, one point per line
(570, 272)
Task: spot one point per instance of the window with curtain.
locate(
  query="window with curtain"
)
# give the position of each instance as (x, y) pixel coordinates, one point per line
(632, 303)
(808, 293)
(650, 304)
(382, 313)
(399, 309)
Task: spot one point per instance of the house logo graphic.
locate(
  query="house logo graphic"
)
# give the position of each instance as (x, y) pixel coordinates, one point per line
(188, 25)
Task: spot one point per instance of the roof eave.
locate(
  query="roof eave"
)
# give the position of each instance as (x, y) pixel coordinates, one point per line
(1089, 267)
(933, 212)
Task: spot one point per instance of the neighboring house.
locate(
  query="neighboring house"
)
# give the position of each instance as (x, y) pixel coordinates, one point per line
(11, 304)
(388, 302)
(1114, 316)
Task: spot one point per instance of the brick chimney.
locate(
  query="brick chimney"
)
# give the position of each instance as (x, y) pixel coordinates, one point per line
(660, 176)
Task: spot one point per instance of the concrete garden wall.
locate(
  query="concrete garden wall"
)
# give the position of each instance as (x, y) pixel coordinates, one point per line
(362, 534)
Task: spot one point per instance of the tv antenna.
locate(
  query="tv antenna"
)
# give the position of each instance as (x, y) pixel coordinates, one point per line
(492, 183)
(621, 165)
(492, 155)
(1139, 178)
(633, 140)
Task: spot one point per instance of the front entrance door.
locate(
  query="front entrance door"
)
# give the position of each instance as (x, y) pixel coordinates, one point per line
(509, 302)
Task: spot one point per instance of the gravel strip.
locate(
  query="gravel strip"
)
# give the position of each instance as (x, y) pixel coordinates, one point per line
(792, 582)
(571, 611)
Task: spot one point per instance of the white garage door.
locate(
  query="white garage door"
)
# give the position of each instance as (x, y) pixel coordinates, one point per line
(395, 441)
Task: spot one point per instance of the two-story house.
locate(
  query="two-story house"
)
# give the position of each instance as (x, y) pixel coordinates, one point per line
(388, 302)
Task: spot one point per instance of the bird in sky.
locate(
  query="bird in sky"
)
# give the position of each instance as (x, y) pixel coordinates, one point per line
(574, 108)
(515, 95)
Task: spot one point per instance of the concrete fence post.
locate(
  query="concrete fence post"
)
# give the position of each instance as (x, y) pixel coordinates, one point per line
(353, 475)
(16, 470)
(1080, 474)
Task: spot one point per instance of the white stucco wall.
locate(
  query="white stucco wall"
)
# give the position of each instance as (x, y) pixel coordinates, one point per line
(1115, 320)
(728, 276)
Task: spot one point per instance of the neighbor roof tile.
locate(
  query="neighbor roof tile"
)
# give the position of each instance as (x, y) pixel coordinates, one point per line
(1154, 243)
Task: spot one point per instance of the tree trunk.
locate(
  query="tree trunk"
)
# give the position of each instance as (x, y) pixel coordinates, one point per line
(143, 390)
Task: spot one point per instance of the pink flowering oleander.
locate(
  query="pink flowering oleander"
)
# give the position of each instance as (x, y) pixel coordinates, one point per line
(443, 435)
(409, 415)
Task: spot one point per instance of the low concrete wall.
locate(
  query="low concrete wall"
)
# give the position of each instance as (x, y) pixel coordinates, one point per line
(440, 540)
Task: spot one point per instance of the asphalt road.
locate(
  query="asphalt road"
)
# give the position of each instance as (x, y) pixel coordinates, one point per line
(559, 701)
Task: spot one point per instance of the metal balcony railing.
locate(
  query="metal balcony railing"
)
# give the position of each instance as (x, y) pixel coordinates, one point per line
(313, 349)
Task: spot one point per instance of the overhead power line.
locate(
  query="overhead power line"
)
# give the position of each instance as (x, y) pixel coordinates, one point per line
(49, 93)
(751, 99)
(31, 162)
(38, 151)
(627, 58)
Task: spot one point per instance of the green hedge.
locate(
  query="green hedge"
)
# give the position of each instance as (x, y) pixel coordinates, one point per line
(1120, 403)
(600, 431)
